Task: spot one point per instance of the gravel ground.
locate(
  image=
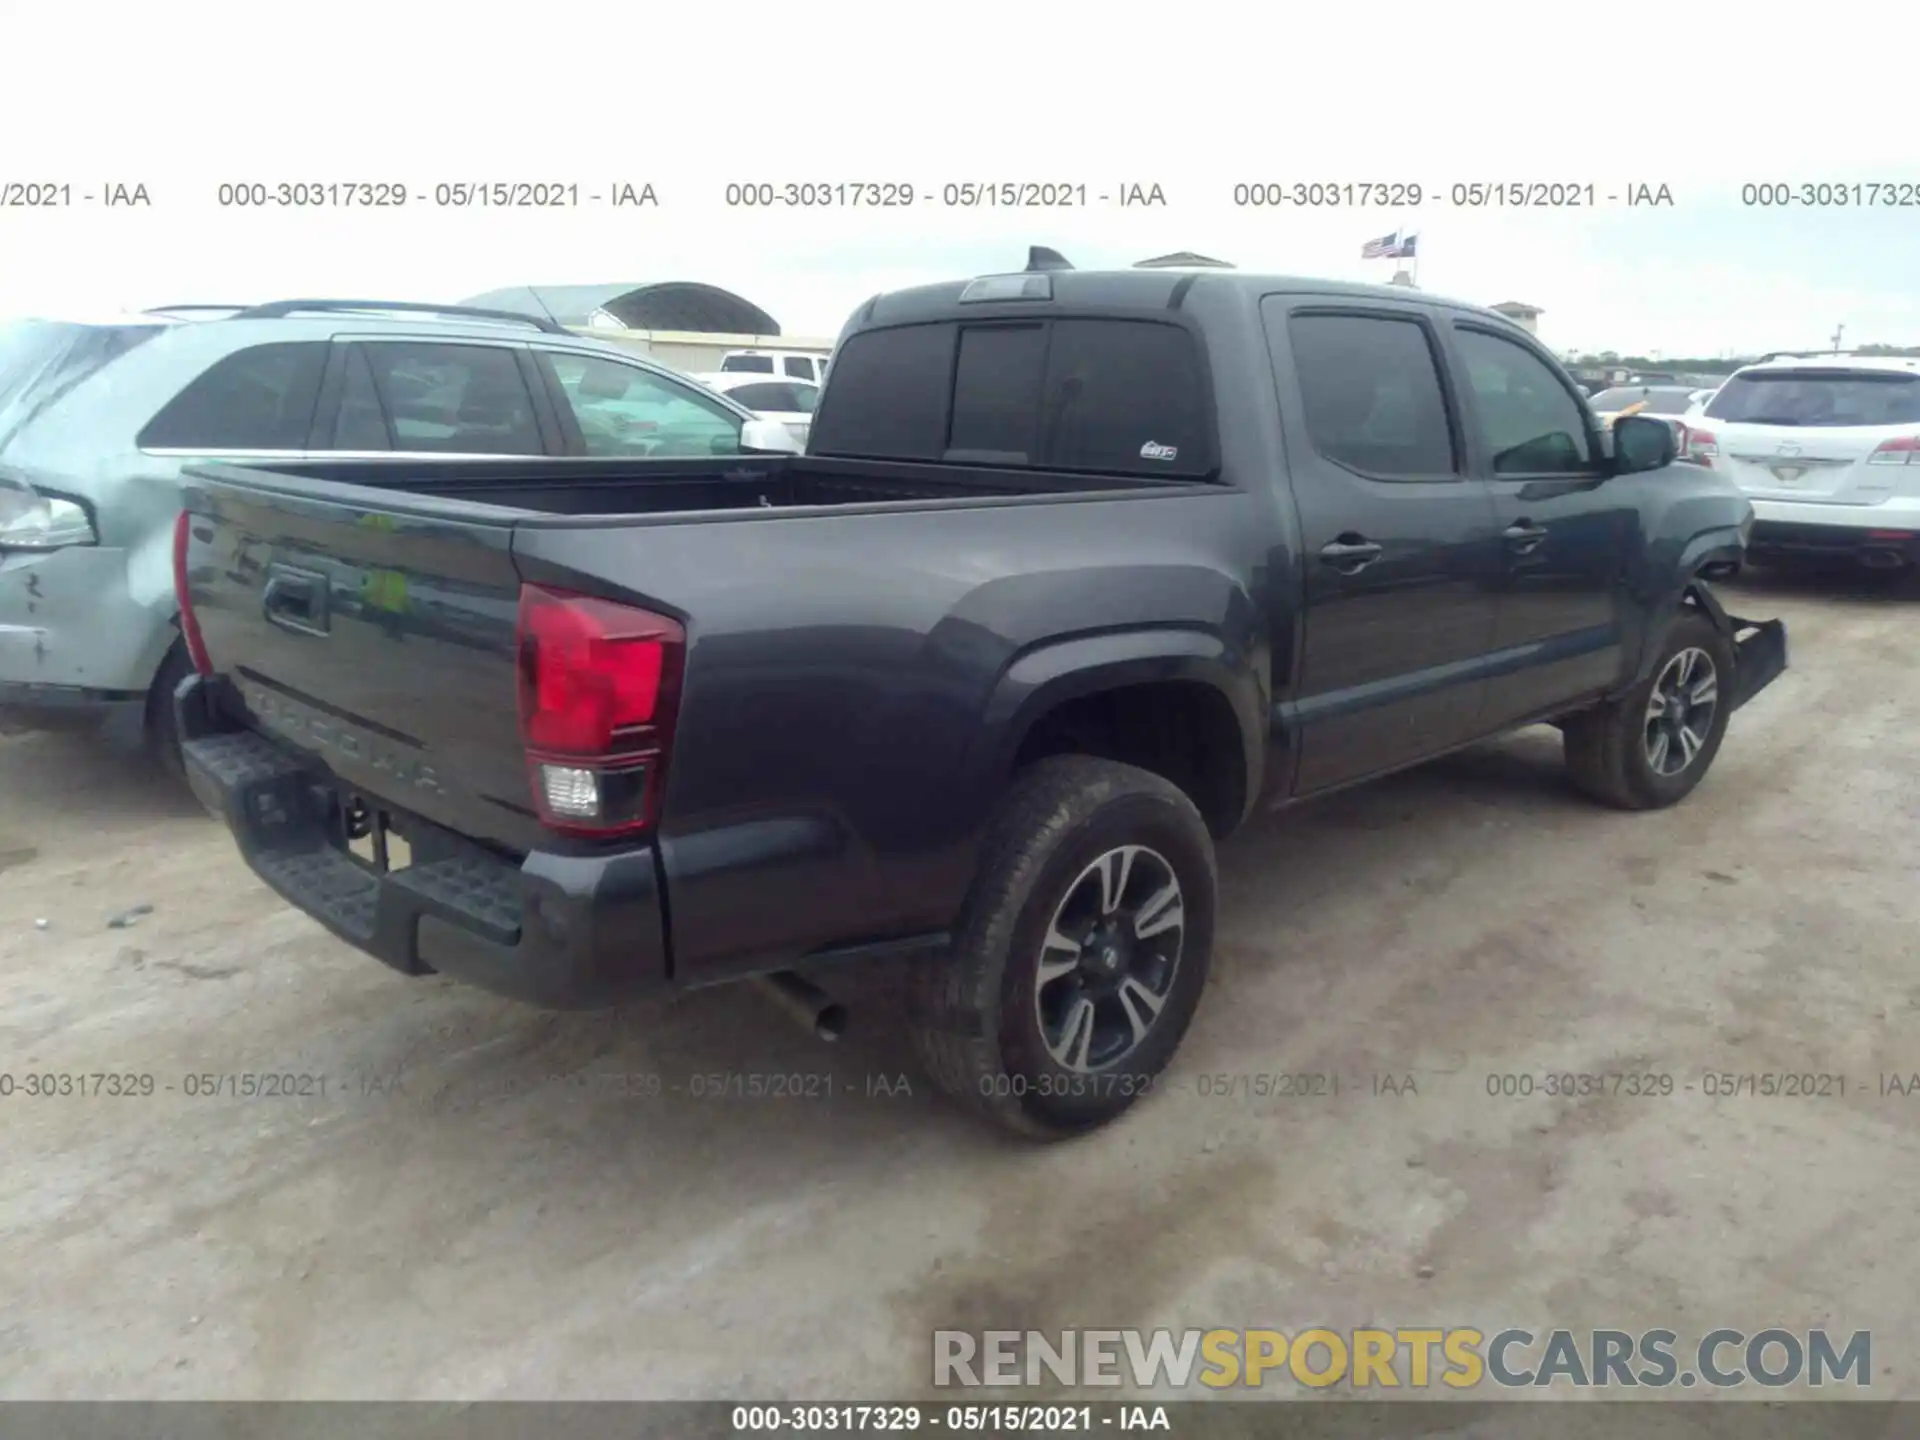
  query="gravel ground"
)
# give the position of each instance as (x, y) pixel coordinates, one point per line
(489, 1202)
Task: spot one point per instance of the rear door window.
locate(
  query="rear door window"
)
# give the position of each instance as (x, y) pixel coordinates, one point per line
(454, 399)
(799, 366)
(1818, 398)
(1370, 388)
(260, 398)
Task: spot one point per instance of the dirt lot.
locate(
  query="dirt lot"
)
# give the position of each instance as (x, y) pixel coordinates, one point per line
(485, 1202)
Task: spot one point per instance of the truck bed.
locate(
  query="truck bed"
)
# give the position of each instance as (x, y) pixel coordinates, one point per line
(642, 487)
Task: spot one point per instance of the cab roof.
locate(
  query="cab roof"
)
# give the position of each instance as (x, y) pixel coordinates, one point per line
(1135, 290)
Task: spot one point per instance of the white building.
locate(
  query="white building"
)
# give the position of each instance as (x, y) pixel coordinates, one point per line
(1527, 317)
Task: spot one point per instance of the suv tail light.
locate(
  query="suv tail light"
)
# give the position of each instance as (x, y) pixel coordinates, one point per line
(1698, 446)
(1900, 450)
(599, 694)
(183, 595)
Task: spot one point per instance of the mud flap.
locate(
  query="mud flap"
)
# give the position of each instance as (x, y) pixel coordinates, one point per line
(1759, 648)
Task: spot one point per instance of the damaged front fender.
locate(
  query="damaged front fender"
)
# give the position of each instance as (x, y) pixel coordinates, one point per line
(1759, 646)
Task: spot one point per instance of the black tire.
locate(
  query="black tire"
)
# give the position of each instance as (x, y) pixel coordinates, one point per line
(1611, 749)
(978, 1011)
(163, 732)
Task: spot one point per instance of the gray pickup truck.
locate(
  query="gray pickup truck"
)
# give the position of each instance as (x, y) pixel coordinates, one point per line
(1080, 570)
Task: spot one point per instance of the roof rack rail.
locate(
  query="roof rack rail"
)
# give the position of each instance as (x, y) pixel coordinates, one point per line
(280, 309)
(1813, 355)
(180, 309)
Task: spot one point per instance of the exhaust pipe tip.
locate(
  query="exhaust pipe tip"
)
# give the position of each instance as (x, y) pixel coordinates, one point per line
(805, 1002)
(1883, 560)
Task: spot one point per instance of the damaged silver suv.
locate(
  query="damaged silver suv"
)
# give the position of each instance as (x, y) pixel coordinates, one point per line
(98, 417)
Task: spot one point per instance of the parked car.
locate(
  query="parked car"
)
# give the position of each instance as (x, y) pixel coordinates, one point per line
(807, 365)
(1825, 449)
(1081, 570)
(791, 402)
(98, 417)
(1667, 403)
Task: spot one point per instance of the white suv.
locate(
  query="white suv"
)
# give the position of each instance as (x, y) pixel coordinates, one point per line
(1827, 449)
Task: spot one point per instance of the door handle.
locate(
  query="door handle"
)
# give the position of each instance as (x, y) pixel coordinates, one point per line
(1523, 536)
(1350, 557)
(296, 600)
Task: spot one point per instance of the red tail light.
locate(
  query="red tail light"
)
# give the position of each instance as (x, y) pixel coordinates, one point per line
(599, 693)
(1698, 446)
(183, 596)
(1900, 450)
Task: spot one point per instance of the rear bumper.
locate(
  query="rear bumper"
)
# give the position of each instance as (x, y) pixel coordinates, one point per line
(565, 932)
(1869, 534)
(1775, 540)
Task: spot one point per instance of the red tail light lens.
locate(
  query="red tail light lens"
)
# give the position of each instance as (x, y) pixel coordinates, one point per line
(183, 595)
(1900, 450)
(599, 691)
(1698, 446)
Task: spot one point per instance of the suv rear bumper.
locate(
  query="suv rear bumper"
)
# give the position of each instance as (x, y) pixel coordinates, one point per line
(565, 932)
(1883, 545)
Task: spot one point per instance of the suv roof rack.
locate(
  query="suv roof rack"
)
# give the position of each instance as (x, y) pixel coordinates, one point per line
(280, 309)
(184, 309)
(1820, 355)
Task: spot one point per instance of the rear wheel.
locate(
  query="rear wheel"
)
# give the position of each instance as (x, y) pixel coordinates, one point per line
(1082, 952)
(163, 733)
(1649, 748)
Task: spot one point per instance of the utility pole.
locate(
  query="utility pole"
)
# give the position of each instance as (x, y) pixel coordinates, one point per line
(1838, 331)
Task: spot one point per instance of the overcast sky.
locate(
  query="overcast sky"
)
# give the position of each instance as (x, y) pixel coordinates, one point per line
(688, 98)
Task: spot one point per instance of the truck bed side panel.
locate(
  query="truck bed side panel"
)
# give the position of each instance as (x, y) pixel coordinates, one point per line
(834, 760)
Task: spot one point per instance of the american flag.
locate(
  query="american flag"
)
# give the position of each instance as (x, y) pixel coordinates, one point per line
(1385, 248)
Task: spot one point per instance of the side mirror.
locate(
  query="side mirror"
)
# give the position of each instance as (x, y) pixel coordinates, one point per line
(768, 437)
(1642, 443)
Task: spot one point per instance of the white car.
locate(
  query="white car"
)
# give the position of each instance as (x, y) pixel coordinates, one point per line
(1825, 448)
(1662, 402)
(769, 397)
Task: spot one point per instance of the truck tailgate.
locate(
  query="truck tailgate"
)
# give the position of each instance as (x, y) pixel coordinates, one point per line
(299, 597)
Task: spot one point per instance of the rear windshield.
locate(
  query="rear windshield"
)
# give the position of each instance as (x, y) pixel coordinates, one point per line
(1650, 401)
(41, 360)
(748, 364)
(1829, 398)
(1124, 397)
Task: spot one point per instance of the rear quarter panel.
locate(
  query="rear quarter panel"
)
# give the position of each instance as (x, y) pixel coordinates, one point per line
(857, 684)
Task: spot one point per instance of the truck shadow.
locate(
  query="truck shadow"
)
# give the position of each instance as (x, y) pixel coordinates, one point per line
(1836, 583)
(726, 1073)
(80, 777)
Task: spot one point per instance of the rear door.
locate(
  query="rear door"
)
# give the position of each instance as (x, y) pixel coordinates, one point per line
(1565, 531)
(1400, 544)
(1811, 435)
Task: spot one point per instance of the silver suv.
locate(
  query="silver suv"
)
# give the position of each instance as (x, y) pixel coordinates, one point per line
(98, 418)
